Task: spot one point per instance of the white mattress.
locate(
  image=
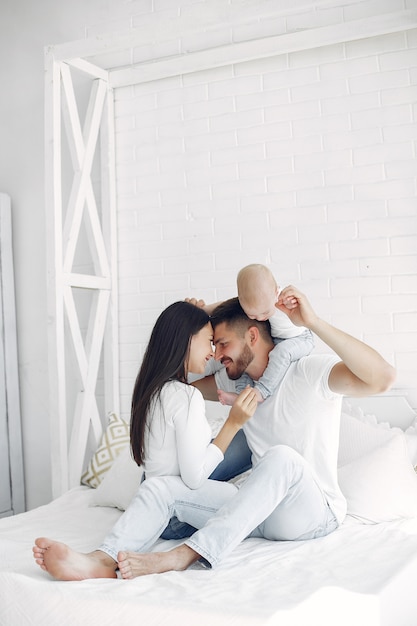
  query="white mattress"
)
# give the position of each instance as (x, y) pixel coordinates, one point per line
(361, 574)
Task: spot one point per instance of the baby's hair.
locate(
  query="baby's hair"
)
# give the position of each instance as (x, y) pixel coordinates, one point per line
(254, 280)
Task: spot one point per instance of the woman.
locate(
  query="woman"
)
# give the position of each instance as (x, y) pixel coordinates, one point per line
(170, 435)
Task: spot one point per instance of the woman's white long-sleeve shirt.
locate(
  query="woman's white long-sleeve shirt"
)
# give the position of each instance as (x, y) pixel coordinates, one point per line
(178, 436)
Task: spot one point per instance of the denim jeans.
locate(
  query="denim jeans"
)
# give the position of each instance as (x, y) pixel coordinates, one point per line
(238, 459)
(280, 500)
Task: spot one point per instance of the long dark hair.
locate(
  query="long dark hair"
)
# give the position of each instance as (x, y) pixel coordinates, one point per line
(165, 359)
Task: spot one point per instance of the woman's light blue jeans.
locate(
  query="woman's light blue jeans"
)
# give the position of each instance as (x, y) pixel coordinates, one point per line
(280, 500)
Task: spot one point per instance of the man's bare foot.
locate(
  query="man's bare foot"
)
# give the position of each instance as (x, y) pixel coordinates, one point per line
(226, 397)
(63, 563)
(133, 564)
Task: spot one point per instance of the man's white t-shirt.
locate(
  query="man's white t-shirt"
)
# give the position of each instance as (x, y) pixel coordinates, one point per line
(302, 413)
(177, 442)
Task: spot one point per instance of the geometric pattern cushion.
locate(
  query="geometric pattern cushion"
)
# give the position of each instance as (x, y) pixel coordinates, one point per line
(114, 439)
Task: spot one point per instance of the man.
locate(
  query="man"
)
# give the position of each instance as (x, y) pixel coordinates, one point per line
(292, 491)
(294, 436)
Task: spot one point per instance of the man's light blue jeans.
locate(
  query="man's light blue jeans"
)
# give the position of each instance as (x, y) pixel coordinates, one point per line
(279, 500)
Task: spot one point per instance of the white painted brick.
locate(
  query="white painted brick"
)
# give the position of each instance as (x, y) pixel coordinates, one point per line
(213, 207)
(326, 232)
(347, 68)
(386, 265)
(401, 169)
(315, 19)
(206, 76)
(401, 95)
(184, 264)
(210, 141)
(184, 162)
(405, 322)
(133, 106)
(327, 161)
(262, 100)
(402, 206)
(382, 153)
(267, 167)
(295, 146)
(356, 210)
(337, 268)
(291, 78)
(240, 154)
(181, 95)
(268, 202)
(353, 139)
(264, 28)
(323, 89)
(195, 42)
(211, 175)
(386, 116)
(404, 132)
(243, 119)
(359, 286)
(385, 189)
(349, 102)
(340, 193)
(400, 59)
(299, 110)
(321, 126)
(360, 10)
(208, 108)
(406, 244)
(281, 215)
(362, 248)
(263, 133)
(406, 284)
(354, 175)
(295, 182)
(239, 85)
(240, 188)
(375, 82)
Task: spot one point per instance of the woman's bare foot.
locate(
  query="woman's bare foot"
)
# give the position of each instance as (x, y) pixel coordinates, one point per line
(226, 397)
(63, 563)
(133, 564)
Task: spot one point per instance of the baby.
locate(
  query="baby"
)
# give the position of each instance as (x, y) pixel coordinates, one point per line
(258, 295)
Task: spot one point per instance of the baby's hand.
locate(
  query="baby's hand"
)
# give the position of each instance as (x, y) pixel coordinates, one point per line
(199, 303)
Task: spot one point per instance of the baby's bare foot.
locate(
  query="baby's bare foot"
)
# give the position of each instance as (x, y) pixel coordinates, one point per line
(226, 397)
(63, 563)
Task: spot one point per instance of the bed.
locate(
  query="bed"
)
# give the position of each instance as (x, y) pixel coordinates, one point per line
(363, 573)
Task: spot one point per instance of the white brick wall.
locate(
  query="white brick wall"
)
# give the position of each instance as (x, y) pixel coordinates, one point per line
(305, 162)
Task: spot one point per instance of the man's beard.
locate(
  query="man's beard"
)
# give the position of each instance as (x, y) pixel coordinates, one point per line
(240, 365)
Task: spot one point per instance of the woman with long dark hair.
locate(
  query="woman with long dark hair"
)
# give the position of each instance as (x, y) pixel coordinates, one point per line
(170, 435)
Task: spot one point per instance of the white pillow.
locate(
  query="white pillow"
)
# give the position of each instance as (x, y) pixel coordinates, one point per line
(368, 418)
(120, 483)
(375, 472)
(380, 485)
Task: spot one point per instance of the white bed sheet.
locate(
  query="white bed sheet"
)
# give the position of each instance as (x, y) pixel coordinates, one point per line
(361, 574)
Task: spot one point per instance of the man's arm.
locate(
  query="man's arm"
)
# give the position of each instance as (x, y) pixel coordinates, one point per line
(362, 371)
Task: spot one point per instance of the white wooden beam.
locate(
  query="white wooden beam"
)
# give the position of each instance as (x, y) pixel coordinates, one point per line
(264, 48)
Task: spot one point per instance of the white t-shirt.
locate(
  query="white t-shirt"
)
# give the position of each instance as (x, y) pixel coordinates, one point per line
(302, 413)
(177, 443)
(282, 327)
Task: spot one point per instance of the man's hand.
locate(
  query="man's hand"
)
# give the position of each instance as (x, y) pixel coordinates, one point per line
(244, 406)
(296, 305)
(200, 303)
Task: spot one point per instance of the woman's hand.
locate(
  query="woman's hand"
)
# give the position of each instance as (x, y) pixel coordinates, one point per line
(243, 407)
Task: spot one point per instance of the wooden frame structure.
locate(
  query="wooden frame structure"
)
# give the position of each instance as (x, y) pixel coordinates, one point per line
(61, 106)
(11, 457)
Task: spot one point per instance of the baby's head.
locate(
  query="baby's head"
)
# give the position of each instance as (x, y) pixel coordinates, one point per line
(257, 291)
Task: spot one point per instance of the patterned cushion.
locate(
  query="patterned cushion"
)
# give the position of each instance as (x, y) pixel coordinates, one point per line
(114, 439)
